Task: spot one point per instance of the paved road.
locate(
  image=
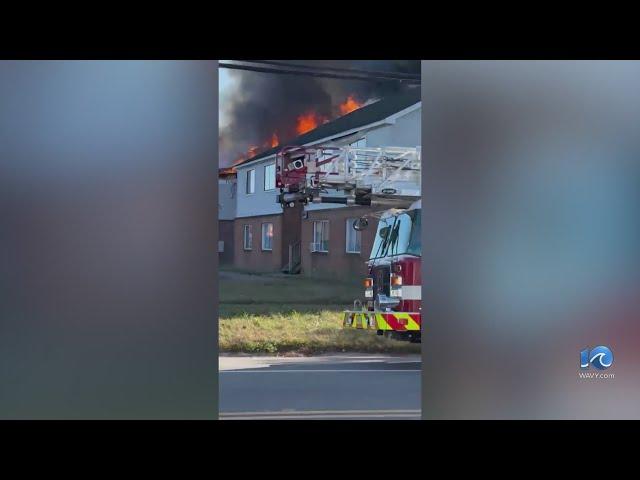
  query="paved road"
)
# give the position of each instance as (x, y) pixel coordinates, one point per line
(322, 387)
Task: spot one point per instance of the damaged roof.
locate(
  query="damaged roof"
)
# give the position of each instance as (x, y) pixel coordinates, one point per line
(361, 117)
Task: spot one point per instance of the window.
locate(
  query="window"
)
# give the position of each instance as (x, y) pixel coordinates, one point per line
(361, 143)
(269, 177)
(321, 236)
(267, 236)
(353, 237)
(247, 237)
(251, 181)
(398, 235)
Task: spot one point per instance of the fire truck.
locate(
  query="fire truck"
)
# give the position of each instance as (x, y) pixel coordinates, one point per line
(389, 180)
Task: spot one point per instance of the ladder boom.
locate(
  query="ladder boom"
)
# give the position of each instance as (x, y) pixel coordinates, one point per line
(382, 176)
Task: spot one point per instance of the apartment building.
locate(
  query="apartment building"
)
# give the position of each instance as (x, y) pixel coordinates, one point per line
(318, 239)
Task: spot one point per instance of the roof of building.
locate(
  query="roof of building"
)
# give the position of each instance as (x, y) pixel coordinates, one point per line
(227, 172)
(361, 117)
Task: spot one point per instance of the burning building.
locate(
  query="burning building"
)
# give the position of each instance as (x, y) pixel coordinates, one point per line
(259, 111)
(266, 238)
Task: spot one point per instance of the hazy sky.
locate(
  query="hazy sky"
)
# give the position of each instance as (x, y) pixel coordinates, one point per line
(225, 86)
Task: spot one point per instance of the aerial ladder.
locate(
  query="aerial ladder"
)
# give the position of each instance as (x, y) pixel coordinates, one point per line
(386, 177)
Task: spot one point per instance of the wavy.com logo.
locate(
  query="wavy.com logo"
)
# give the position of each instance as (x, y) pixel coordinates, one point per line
(600, 357)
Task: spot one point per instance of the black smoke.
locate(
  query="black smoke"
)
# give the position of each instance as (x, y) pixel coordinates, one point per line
(267, 103)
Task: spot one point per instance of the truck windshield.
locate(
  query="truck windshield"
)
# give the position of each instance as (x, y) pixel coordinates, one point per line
(398, 235)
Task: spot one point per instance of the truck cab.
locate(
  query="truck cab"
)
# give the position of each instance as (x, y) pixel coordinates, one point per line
(393, 286)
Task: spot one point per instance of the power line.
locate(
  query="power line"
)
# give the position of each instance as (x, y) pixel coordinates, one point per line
(399, 75)
(366, 78)
(350, 73)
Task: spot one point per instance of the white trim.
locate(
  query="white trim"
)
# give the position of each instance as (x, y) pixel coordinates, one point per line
(264, 177)
(346, 239)
(246, 182)
(392, 118)
(315, 240)
(262, 236)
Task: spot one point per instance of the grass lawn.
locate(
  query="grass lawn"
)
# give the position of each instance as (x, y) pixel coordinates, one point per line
(264, 314)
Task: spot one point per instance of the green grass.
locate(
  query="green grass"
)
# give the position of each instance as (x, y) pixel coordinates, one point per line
(262, 314)
(246, 289)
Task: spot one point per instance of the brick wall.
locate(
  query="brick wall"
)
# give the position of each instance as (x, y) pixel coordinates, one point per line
(257, 259)
(336, 261)
(226, 234)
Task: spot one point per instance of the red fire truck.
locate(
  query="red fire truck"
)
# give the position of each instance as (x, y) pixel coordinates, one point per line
(387, 178)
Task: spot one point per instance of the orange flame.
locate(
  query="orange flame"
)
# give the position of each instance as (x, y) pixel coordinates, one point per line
(307, 122)
(240, 159)
(349, 105)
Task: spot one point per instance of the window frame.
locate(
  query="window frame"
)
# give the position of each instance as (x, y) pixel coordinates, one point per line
(262, 236)
(324, 231)
(251, 173)
(349, 227)
(247, 228)
(273, 177)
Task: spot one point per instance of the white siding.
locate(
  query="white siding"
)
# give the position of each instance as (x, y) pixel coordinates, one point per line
(226, 199)
(406, 132)
(260, 202)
